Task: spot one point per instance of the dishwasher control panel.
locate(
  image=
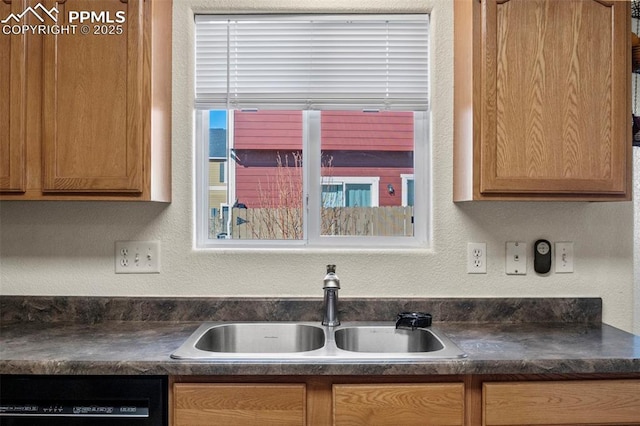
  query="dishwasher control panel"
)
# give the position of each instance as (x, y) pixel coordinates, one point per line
(128, 409)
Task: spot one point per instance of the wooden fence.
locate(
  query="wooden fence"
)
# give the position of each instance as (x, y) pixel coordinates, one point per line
(286, 223)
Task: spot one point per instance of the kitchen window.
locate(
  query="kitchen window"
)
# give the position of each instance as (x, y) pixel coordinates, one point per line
(312, 131)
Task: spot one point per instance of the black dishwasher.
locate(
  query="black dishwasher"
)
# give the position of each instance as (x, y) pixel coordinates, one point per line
(83, 400)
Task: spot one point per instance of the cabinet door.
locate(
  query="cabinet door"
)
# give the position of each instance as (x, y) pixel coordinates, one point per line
(239, 404)
(92, 99)
(555, 91)
(12, 102)
(392, 405)
(562, 403)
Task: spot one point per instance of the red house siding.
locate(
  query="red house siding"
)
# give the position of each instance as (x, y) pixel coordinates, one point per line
(258, 187)
(362, 131)
(274, 130)
(361, 144)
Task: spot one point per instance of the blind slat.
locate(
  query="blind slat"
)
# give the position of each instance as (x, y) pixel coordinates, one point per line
(312, 62)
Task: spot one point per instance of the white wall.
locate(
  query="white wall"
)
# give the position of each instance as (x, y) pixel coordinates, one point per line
(66, 248)
(635, 105)
(636, 249)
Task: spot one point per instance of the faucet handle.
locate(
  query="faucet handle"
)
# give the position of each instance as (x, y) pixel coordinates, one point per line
(413, 320)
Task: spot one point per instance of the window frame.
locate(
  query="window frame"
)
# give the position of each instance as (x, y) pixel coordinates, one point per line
(312, 186)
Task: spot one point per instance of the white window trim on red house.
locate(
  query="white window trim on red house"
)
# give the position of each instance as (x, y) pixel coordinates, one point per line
(405, 187)
(374, 181)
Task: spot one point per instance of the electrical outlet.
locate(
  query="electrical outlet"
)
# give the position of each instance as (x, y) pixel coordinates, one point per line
(476, 258)
(516, 258)
(564, 257)
(137, 257)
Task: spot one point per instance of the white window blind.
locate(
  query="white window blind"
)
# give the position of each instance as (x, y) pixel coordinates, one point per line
(312, 62)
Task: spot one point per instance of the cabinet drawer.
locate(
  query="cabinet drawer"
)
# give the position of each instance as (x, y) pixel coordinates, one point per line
(239, 404)
(424, 404)
(561, 403)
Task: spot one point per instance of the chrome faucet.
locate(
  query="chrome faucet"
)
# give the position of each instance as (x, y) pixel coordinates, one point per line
(331, 287)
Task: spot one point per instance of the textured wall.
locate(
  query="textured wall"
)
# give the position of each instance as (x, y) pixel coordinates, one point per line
(635, 99)
(636, 249)
(66, 248)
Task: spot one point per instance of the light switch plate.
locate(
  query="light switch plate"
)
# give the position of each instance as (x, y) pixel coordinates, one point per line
(564, 257)
(516, 258)
(137, 257)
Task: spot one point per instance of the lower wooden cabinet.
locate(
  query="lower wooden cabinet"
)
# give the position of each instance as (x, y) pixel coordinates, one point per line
(562, 403)
(470, 400)
(392, 405)
(239, 404)
(317, 402)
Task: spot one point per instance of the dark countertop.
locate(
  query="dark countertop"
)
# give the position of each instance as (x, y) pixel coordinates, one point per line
(144, 346)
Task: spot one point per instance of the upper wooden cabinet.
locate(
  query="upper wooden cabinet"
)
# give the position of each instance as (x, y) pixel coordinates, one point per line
(542, 100)
(97, 103)
(12, 104)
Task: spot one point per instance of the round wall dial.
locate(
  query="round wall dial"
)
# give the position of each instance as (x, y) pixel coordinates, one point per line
(542, 256)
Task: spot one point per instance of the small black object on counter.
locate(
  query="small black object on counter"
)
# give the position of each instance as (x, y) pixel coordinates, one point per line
(413, 320)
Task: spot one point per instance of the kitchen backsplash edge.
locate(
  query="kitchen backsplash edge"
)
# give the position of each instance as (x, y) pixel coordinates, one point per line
(92, 310)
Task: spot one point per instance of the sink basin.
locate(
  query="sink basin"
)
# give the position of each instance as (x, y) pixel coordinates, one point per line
(310, 342)
(251, 340)
(261, 338)
(386, 339)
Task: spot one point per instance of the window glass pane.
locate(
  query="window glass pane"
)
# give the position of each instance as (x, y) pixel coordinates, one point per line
(222, 176)
(217, 153)
(357, 195)
(368, 153)
(332, 196)
(410, 192)
(263, 160)
(217, 134)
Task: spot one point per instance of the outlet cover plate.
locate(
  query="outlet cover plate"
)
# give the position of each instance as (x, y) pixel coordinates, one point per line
(476, 258)
(137, 257)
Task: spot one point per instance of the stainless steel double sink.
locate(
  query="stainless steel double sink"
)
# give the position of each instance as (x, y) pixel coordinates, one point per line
(312, 342)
